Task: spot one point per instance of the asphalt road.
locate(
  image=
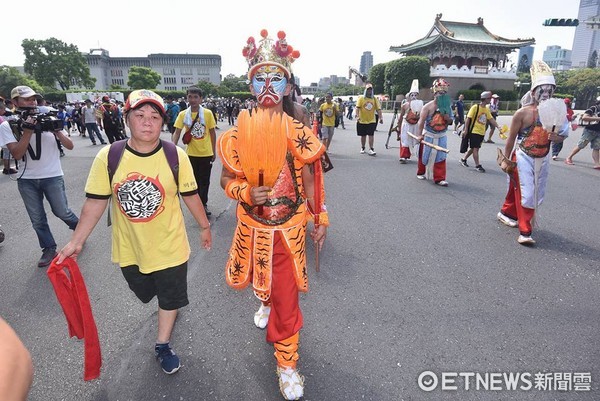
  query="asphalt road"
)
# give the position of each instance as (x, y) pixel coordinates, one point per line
(414, 277)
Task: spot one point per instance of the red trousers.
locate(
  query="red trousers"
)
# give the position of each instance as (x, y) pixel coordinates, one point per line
(285, 319)
(439, 168)
(512, 205)
(404, 152)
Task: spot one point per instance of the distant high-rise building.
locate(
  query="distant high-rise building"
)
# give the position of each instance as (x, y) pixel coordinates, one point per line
(586, 43)
(557, 58)
(525, 58)
(366, 62)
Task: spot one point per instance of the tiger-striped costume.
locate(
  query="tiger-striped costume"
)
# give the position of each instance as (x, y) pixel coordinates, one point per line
(286, 212)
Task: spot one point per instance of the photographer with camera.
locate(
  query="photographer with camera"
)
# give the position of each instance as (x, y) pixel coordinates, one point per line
(33, 137)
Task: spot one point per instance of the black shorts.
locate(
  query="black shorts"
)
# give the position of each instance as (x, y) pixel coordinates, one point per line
(168, 285)
(475, 141)
(366, 129)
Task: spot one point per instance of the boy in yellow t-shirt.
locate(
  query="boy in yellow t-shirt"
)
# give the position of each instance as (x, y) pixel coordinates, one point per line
(477, 119)
(201, 148)
(328, 114)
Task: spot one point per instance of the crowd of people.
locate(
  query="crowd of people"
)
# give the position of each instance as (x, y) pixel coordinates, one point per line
(276, 194)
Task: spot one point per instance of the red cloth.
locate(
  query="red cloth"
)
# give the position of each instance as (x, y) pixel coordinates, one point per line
(285, 319)
(439, 168)
(512, 206)
(73, 298)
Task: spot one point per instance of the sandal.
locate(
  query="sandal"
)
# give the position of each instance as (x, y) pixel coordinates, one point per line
(261, 317)
(291, 383)
(569, 162)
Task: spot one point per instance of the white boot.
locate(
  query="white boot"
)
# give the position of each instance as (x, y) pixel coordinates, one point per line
(291, 383)
(261, 317)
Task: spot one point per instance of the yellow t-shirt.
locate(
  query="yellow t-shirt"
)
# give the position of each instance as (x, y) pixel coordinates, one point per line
(329, 113)
(368, 107)
(480, 120)
(200, 145)
(147, 221)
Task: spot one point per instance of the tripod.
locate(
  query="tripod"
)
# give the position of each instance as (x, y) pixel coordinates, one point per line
(392, 128)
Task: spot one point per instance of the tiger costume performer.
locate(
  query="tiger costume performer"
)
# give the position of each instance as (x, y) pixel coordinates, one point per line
(272, 167)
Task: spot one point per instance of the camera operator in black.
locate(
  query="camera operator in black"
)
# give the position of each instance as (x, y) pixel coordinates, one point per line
(33, 138)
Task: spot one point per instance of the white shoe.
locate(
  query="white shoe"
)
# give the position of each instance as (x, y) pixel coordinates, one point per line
(261, 317)
(291, 383)
(362, 151)
(420, 177)
(442, 183)
(506, 220)
(371, 152)
(525, 240)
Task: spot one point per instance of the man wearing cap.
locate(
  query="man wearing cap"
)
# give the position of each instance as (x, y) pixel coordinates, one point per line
(478, 117)
(435, 118)
(149, 239)
(368, 112)
(591, 135)
(494, 105)
(110, 122)
(42, 175)
(277, 195)
(527, 154)
(408, 121)
(327, 116)
(88, 115)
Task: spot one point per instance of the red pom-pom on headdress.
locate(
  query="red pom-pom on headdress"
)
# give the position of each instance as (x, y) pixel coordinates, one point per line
(264, 33)
(281, 35)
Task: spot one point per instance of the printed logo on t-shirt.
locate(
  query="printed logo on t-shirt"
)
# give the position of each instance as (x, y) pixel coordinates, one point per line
(198, 130)
(482, 118)
(140, 198)
(369, 106)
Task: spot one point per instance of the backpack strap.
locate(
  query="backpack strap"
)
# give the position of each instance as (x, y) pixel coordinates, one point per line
(115, 153)
(170, 150)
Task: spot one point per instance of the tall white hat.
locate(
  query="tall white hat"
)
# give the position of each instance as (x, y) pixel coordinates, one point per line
(414, 87)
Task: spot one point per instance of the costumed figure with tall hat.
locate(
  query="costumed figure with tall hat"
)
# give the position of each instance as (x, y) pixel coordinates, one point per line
(434, 120)
(539, 122)
(271, 166)
(408, 120)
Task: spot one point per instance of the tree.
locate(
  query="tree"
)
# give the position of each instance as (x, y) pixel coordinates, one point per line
(583, 83)
(211, 90)
(52, 62)
(143, 78)
(231, 83)
(400, 73)
(11, 77)
(377, 77)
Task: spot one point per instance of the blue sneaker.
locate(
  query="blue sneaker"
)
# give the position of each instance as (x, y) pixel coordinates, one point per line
(169, 361)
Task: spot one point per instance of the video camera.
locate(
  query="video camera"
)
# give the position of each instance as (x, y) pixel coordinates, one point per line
(46, 121)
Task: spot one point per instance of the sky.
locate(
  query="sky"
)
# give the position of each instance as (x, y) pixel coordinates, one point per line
(330, 35)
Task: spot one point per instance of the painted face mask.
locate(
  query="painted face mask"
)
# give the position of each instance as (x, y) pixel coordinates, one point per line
(413, 96)
(269, 84)
(543, 92)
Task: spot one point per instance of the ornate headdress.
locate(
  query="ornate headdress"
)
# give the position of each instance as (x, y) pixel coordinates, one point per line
(440, 84)
(267, 52)
(541, 74)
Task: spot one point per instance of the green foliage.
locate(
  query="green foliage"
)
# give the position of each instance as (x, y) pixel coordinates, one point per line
(377, 77)
(231, 83)
(143, 78)
(11, 77)
(584, 84)
(52, 62)
(475, 94)
(400, 73)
